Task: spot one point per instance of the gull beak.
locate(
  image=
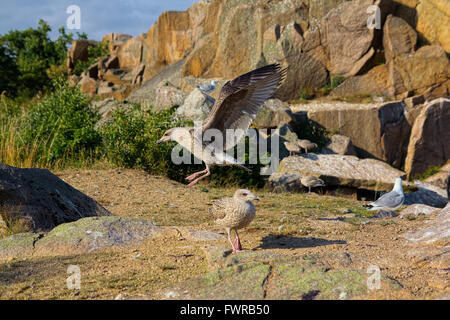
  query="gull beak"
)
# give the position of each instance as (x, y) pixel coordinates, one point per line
(256, 198)
(159, 141)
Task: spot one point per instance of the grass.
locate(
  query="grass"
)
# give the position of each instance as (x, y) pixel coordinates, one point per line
(428, 173)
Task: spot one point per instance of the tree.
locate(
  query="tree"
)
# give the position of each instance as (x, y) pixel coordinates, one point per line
(27, 55)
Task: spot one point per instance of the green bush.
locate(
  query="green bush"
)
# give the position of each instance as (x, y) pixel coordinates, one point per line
(130, 137)
(61, 123)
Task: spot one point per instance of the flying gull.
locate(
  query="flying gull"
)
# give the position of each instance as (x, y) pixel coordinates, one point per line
(391, 200)
(236, 107)
(311, 182)
(234, 213)
(209, 87)
(306, 144)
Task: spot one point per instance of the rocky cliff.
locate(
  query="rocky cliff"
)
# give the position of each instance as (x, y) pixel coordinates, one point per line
(379, 50)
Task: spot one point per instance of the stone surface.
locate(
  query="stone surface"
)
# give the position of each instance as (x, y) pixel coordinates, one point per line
(346, 37)
(266, 274)
(271, 114)
(146, 94)
(428, 145)
(347, 171)
(196, 106)
(18, 245)
(168, 96)
(339, 144)
(88, 234)
(43, 199)
(372, 83)
(386, 129)
(427, 194)
(427, 67)
(285, 182)
(398, 37)
(418, 209)
(441, 179)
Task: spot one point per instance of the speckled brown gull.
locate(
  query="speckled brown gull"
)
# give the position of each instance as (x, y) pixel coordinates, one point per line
(311, 182)
(234, 213)
(291, 147)
(307, 145)
(236, 107)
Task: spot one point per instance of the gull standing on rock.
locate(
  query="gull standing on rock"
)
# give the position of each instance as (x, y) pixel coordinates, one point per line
(306, 144)
(291, 147)
(208, 87)
(236, 107)
(311, 182)
(234, 213)
(389, 201)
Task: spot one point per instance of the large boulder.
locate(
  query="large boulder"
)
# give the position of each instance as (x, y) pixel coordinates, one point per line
(272, 113)
(430, 18)
(429, 143)
(339, 144)
(385, 131)
(427, 194)
(88, 234)
(196, 106)
(346, 37)
(39, 200)
(345, 171)
(398, 38)
(441, 179)
(438, 233)
(168, 96)
(418, 72)
(372, 83)
(266, 274)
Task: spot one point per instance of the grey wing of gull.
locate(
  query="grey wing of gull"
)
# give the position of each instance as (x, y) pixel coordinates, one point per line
(389, 200)
(240, 99)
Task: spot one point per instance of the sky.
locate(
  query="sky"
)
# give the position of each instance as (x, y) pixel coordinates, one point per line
(97, 18)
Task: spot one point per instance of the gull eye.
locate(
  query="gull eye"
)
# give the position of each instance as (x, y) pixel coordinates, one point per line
(244, 194)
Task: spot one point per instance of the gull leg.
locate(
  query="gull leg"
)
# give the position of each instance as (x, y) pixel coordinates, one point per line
(195, 175)
(237, 242)
(230, 240)
(200, 178)
(309, 192)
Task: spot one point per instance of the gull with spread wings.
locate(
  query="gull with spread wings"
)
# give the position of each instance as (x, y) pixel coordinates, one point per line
(236, 107)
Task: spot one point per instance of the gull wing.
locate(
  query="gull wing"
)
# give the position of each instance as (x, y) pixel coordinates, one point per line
(240, 99)
(389, 200)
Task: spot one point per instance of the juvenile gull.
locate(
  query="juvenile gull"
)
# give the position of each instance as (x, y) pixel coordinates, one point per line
(234, 213)
(209, 87)
(291, 147)
(312, 182)
(391, 200)
(236, 107)
(306, 144)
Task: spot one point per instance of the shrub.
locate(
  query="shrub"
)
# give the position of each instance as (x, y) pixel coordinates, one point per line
(130, 137)
(61, 125)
